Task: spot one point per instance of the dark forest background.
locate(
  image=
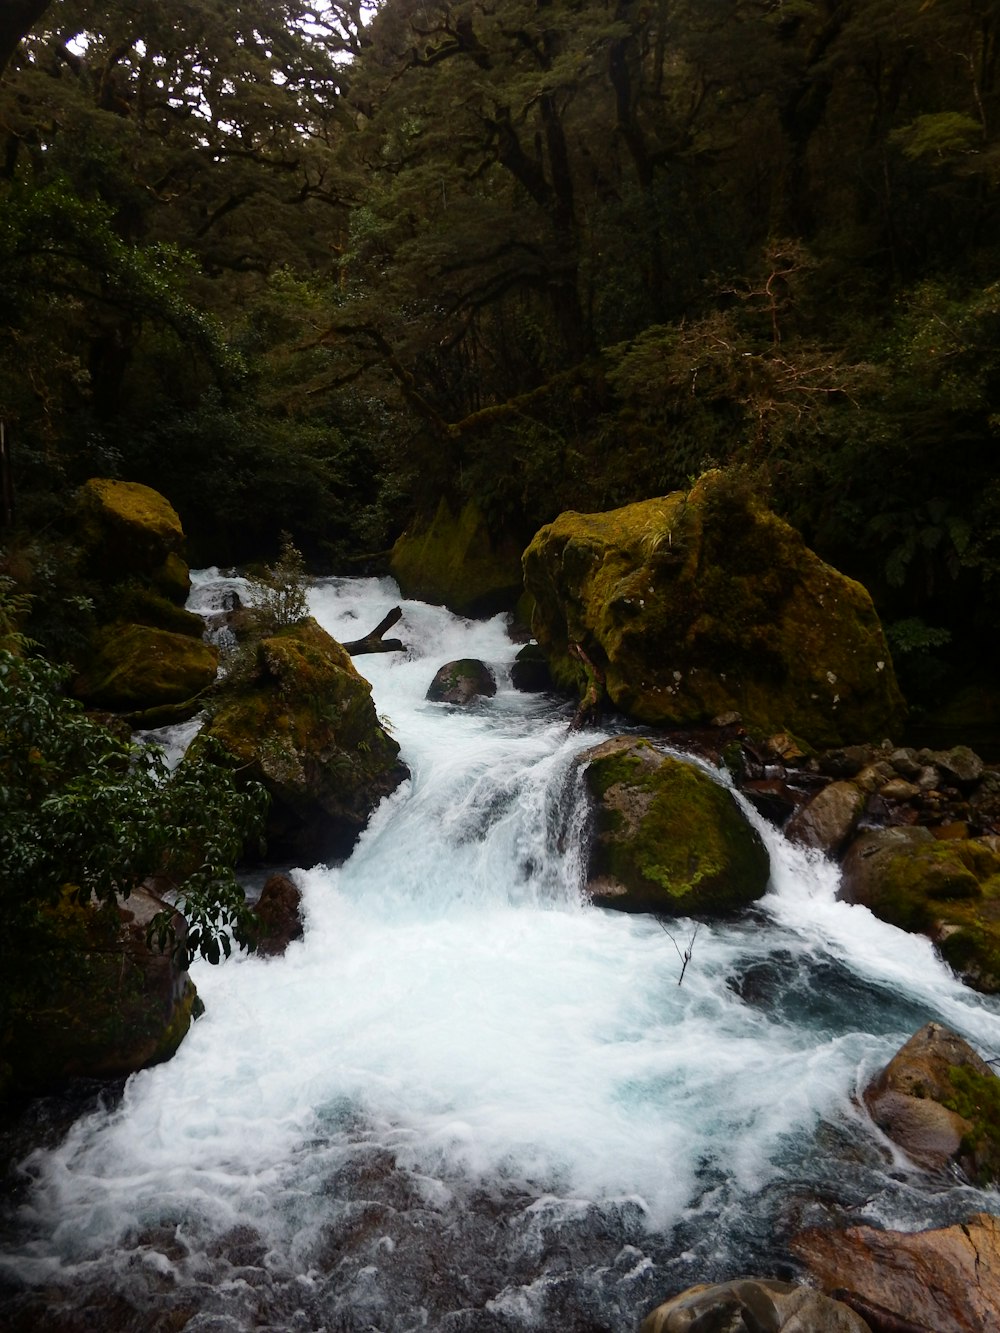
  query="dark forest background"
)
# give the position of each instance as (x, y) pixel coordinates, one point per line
(310, 267)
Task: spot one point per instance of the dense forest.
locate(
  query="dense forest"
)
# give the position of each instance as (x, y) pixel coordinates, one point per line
(311, 267)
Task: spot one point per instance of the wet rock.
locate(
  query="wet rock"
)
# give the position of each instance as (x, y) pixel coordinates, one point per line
(847, 761)
(938, 1101)
(947, 889)
(829, 819)
(302, 722)
(945, 1280)
(898, 789)
(772, 797)
(667, 838)
(960, 764)
(753, 1304)
(703, 602)
(462, 681)
(530, 671)
(279, 916)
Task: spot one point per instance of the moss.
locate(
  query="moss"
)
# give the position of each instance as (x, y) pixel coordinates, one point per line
(141, 605)
(137, 667)
(702, 603)
(670, 836)
(454, 561)
(976, 1097)
(303, 723)
(126, 528)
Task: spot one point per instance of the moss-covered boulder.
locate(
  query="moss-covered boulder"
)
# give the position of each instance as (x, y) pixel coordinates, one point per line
(947, 889)
(107, 1005)
(461, 682)
(301, 721)
(129, 530)
(703, 603)
(135, 668)
(940, 1102)
(455, 561)
(667, 838)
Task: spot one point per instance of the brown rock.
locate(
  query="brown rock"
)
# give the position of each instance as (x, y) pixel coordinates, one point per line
(830, 818)
(279, 916)
(947, 1280)
(907, 1101)
(753, 1303)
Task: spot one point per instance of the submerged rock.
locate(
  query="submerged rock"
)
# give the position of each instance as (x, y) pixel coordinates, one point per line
(703, 602)
(462, 681)
(940, 1102)
(302, 722)
(948, 889)
(667, 838)
(455, 561)
(753, 1304)
(108, 1004)
(944, 1281)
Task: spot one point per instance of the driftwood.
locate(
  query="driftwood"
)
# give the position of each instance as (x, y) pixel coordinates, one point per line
(374, 642)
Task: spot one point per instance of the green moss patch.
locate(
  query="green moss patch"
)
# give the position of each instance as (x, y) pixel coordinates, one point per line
(976, 1097)
(454, 560)
(668, 838)
(137, 667)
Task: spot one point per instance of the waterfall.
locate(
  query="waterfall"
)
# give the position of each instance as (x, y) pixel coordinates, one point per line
(467, 1100)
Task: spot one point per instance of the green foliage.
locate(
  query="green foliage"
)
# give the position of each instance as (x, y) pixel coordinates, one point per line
(86, 811)
(279, 592)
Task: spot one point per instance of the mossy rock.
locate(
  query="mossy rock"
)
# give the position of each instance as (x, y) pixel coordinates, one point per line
(302, 722)
(139, 605)
(104, 1004)
(455, 561)
(125, 528)
(940, 1102)
(667, 838)
(134, 668)
(703, 603)
(948, 890)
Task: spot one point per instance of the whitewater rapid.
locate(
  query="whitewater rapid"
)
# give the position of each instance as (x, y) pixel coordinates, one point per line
(457, 1015)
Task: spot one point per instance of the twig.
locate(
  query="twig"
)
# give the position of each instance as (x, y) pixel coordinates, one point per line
(685, 957)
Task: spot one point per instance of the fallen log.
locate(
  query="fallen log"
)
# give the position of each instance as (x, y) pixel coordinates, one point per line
(374, 642)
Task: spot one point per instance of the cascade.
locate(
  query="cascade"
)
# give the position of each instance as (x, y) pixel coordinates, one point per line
(467, 1100)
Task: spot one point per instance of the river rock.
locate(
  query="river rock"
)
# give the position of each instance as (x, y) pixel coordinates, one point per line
(940, 1102)
(529, 671)
(945, 1281)
(108, 1005)
(454, 560)
(703, 602)
(279, 916)
(748, 1304)
(462, 681)
(127, 530)
(667, 838)
(301, 721)
(134, 668)
(947, 889)
(829, 819)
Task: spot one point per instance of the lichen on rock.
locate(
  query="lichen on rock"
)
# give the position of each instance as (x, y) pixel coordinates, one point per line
(701, 603)
(667, 838)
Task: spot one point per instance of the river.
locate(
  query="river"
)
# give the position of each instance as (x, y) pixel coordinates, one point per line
(467, 1100)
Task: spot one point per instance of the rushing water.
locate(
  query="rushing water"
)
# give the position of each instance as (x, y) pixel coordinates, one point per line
(466, 1100)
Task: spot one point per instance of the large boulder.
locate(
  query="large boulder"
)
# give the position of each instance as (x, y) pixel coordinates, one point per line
(703, 603)
(945, 1281)
(302, 722)
(667, 838)
(940, 1102)
(128, 530)
(947, 889)
(134, 668)
(454, 560)
(752, 1304)
(109, 1003)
